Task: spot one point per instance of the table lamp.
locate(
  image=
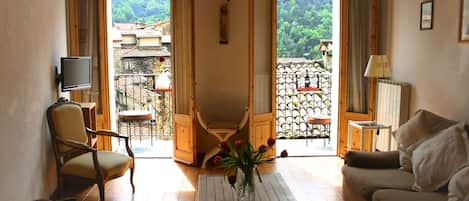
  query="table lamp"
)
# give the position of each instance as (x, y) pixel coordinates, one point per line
(378, 66)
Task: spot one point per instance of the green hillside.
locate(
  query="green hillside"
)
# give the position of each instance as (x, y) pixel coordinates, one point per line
(300, 26)
(301, 23)
(145, 11)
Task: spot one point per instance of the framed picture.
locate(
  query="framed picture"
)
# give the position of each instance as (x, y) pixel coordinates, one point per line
(426, 15)
(464, 21)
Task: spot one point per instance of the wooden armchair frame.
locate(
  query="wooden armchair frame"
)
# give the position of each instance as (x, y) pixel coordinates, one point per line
(84, 148)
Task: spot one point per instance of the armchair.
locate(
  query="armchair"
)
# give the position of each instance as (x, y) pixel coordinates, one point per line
(69, 135)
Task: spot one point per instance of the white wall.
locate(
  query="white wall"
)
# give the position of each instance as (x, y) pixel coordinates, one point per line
(33, 34)
(433, 61)
(221, 70)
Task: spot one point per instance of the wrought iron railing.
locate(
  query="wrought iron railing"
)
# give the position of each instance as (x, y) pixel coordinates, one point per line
(138, 92)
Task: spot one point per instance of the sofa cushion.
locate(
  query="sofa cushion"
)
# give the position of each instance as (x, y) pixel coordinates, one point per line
(367, 181)
(459, 185)
(419, 127)
(376, 160)
(403, 195)
(437, 159)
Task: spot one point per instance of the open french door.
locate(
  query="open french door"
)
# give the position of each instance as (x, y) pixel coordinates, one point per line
(262, 64)
(183, 80)
(354, 12)
(87, 36)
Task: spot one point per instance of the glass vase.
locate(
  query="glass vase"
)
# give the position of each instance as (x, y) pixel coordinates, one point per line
(245, 188)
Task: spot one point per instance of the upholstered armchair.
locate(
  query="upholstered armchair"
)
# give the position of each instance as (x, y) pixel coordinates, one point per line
(74, 156)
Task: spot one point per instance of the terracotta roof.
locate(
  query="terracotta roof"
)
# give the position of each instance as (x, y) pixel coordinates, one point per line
(148, 34)
(137, 53)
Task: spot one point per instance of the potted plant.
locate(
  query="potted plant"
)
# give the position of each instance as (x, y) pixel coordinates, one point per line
(240, 165)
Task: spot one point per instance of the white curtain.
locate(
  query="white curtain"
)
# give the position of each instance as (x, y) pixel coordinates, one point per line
(358, 54)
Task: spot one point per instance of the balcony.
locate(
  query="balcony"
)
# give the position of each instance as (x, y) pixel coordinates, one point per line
(303, 110)
(144, 113)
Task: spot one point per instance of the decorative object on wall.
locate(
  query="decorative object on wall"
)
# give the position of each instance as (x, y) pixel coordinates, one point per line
(464, 21)
(224, 22)
(426, 15)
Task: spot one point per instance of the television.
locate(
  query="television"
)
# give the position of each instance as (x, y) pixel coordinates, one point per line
(75, 73)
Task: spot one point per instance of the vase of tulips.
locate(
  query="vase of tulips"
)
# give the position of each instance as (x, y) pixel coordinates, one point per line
(240, 165)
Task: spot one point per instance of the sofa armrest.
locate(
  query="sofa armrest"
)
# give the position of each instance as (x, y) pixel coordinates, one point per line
(376, 160)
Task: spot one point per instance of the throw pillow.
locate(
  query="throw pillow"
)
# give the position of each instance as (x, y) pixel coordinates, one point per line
(420, 127)
(459, 185)
(437, 159)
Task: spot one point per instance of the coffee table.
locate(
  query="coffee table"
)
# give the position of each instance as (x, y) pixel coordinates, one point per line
(217, 188)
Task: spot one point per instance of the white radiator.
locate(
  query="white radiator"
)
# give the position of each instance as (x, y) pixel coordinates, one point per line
(392, 108)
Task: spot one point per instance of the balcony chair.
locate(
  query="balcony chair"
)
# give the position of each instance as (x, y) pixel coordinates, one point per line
(75, 157)
(222, 131)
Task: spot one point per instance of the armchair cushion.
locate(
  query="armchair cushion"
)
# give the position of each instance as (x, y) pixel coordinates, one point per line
(375, 160)
(69, 124)
(112, 165)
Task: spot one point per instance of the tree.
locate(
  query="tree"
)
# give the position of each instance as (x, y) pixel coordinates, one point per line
(301, 24)
(144, 11)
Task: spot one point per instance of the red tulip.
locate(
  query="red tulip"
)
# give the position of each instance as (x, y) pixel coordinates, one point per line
(262, 148)
(271, 142)
(225, 146)
(217, 160)
(232, 179)
(284, 153)
(238, 143)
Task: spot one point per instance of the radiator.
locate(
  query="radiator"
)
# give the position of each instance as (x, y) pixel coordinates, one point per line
(392, 108)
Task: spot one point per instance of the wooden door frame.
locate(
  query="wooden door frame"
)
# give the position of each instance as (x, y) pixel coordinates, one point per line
(103, 120)
(343, 115)
(184, 117)
(261, 119)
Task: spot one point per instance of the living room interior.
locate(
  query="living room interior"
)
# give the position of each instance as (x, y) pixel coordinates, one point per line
(219, 80)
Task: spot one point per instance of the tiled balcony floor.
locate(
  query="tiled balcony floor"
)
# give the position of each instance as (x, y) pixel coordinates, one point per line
(164, 148)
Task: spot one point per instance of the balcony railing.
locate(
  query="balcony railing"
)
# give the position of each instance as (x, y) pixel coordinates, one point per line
(136, 92)
(296, 100)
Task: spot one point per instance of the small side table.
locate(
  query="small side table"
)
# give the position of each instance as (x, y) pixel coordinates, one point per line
(137, 117)
(363, 126)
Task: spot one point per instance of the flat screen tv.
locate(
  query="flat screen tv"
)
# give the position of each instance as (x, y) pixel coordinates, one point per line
(76, 73)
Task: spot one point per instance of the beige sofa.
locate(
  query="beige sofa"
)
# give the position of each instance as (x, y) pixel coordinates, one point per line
(392, 176)
(376, 176)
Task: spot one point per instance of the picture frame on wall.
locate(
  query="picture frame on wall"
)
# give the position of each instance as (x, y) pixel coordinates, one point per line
(426, 15)
(464, 21)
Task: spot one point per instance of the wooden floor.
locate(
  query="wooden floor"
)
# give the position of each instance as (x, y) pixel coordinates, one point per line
(309, 179)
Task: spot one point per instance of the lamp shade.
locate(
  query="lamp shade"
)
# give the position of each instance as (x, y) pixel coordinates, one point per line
(378, 66)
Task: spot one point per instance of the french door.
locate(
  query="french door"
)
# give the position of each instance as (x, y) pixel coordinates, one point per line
(87, 36)
(358, 40)
(262, 78)
(185, 144)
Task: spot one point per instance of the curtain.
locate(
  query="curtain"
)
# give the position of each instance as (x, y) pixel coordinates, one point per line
(358, 53)
(88, 46)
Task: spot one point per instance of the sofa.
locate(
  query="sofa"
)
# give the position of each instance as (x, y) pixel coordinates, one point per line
(380, 176)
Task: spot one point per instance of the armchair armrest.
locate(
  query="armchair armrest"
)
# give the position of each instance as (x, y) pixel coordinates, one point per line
(113, 134)
(74, 144)
(105, 133)
(376, 160)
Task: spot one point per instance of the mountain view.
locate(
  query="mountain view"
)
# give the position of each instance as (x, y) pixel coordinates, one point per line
(301, 24)
(144, 11)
